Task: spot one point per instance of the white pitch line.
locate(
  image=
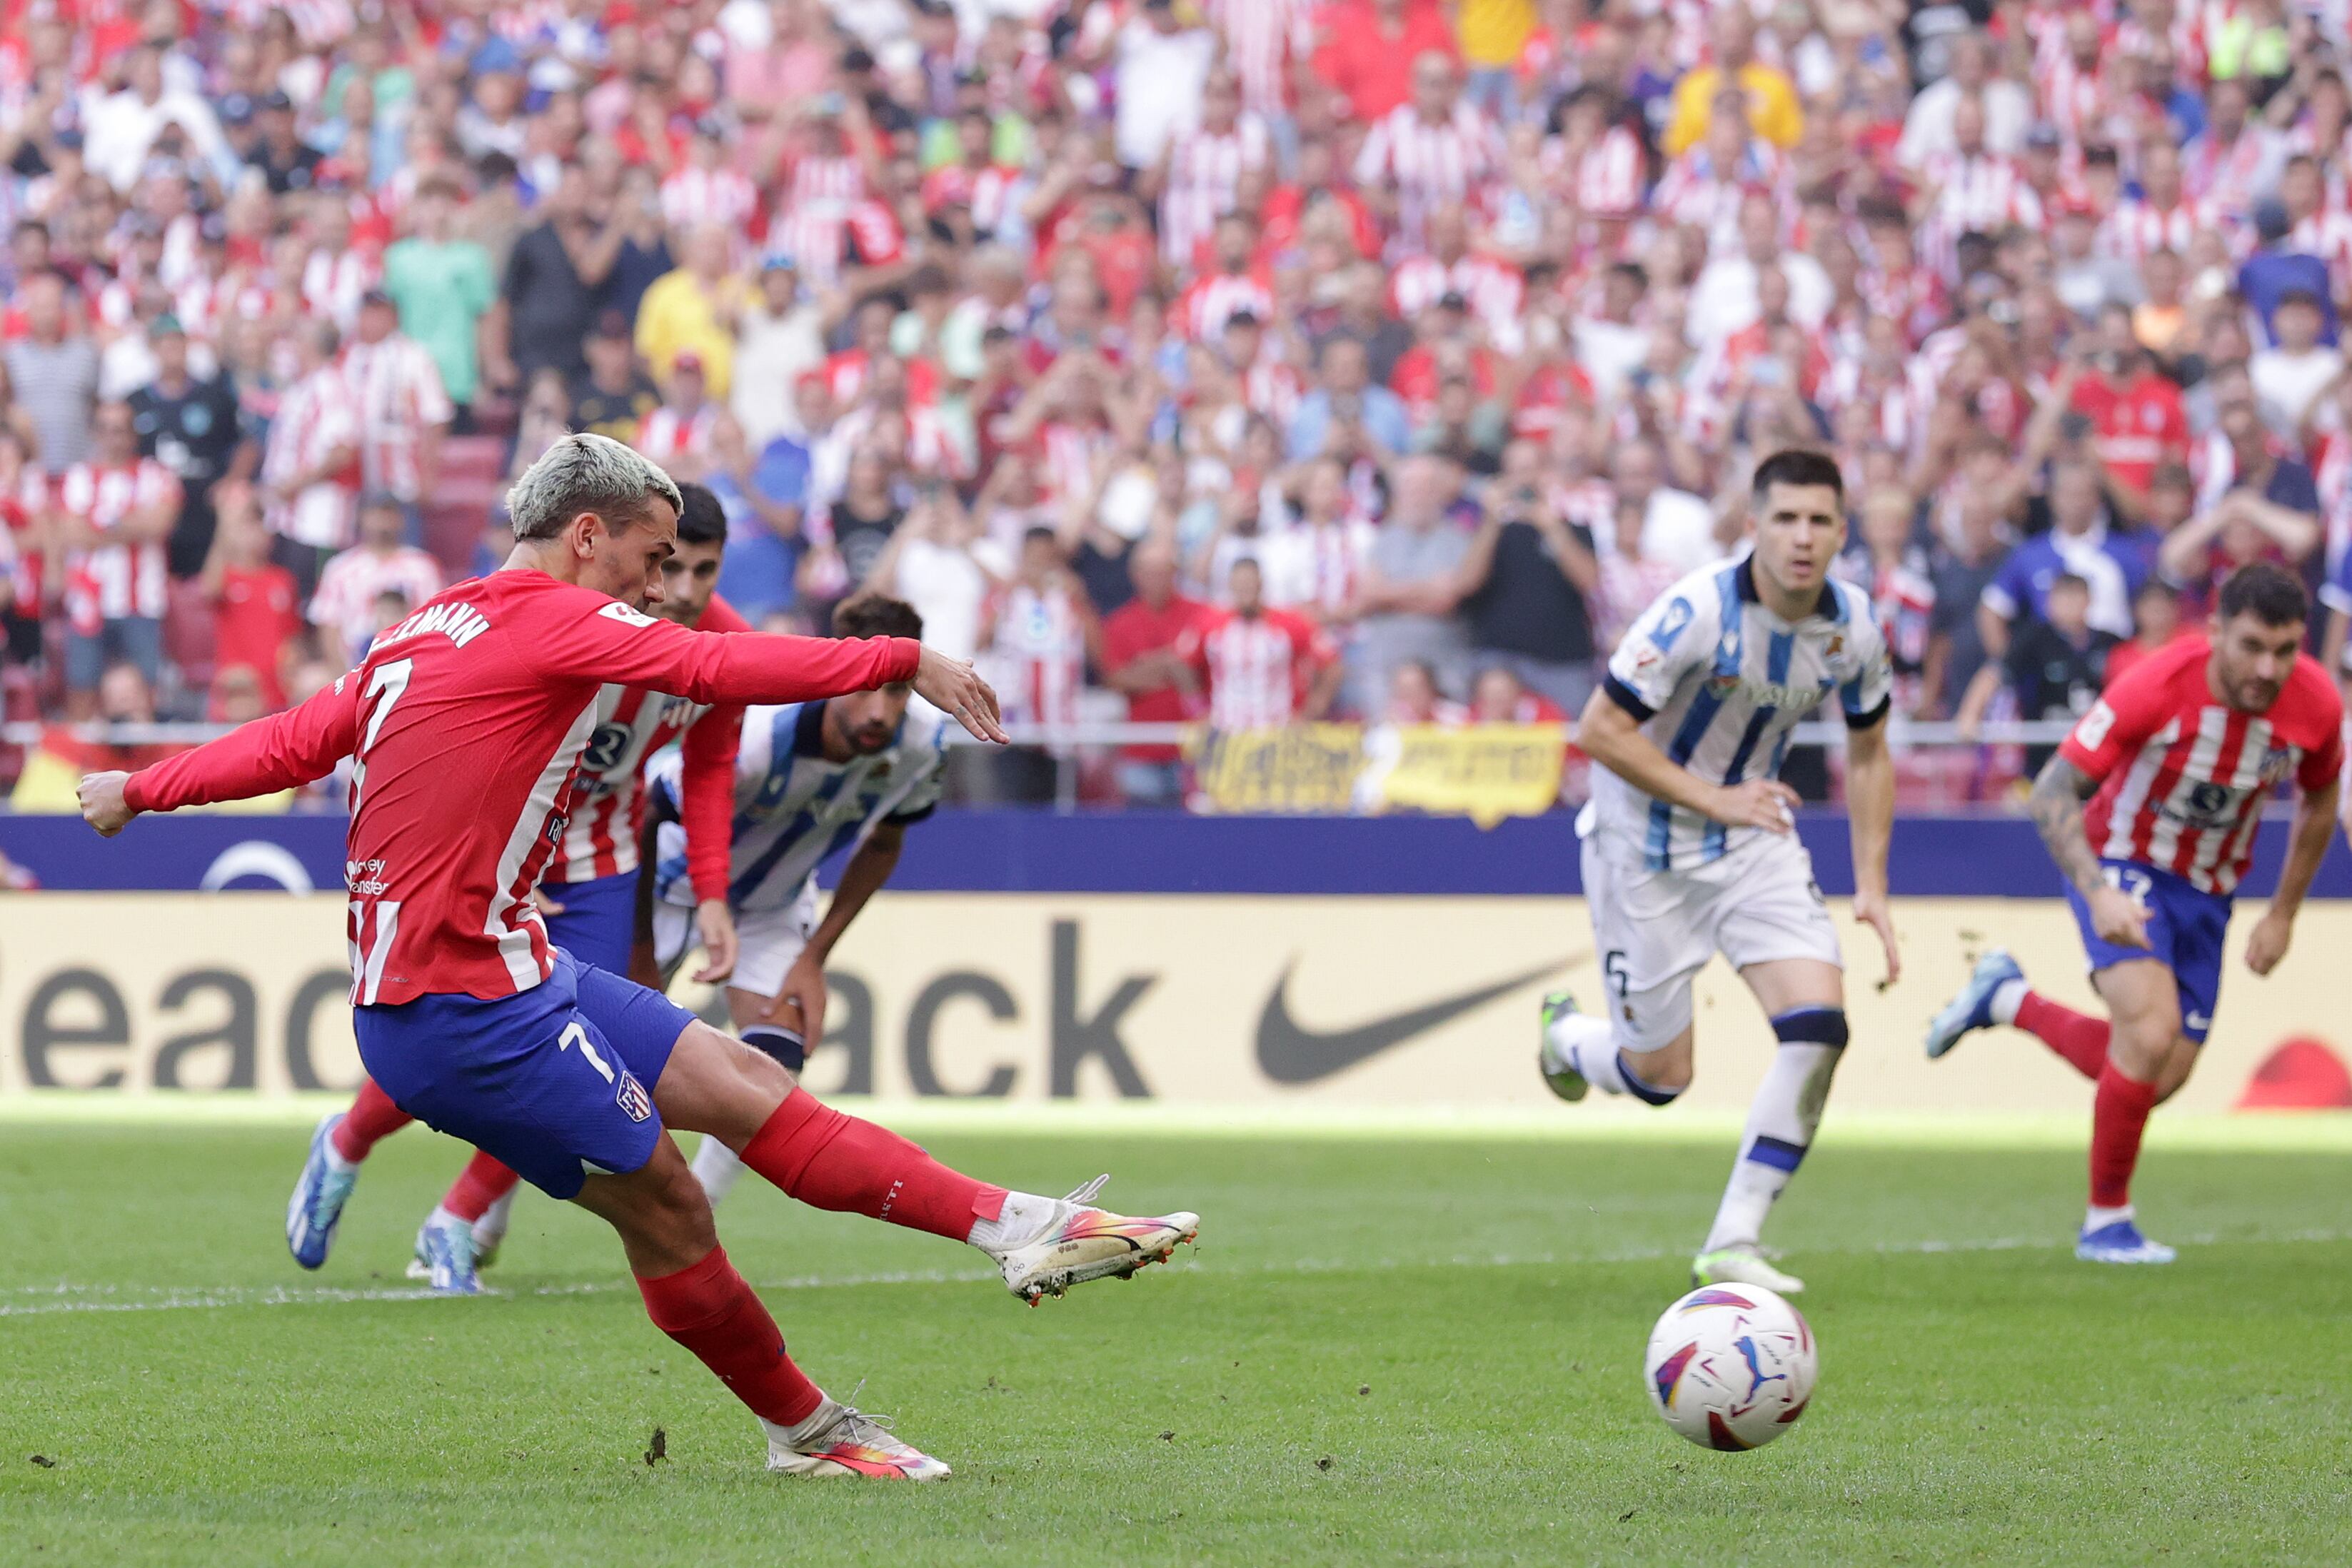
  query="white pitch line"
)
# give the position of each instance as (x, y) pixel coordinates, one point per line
(41, 1301)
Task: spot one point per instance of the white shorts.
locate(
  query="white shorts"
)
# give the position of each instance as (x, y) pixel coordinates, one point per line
(768, 942)
(1656, 930)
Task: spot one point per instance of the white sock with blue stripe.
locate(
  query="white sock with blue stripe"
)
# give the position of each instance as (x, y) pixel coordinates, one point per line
(1781, 1122)
(1587, 1043)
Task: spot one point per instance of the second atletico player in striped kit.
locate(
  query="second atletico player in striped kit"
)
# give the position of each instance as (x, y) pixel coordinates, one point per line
(2176, 761)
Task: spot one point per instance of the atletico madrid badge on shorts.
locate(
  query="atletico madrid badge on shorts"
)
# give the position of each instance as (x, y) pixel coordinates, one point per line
(631, 1096)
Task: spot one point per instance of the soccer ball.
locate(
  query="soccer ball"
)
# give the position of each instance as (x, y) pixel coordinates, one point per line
(1731, 1366)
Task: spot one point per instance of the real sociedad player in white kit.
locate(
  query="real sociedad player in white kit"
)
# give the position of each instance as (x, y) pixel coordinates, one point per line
(1690, 847)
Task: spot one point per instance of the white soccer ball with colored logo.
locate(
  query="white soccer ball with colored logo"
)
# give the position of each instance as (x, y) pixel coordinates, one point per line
(1731, 1366)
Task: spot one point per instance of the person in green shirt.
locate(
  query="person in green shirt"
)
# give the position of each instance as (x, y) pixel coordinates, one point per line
(444, 288)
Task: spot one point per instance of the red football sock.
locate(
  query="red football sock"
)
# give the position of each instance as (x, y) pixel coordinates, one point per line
(830, 1161)
(2118, 1118)
(373, 1116)
(2079, 1038)
(710, 1310)
(482, 1183)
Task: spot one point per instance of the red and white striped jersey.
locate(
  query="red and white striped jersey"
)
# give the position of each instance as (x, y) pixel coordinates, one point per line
(1263, 37)
(1695, 191)
(1428, 165)
(315, 419)
(109, 582)
(1212, 299)
(693, 196)
(822, 238)
(2182, 777)
(2326, 234)
(496, 684)
(2072, 98)
(1317, 566)
(985, 191)
(1607, 178)
(1494, 291)
(1257, 667)
(608, 799)
(2231, 175)
(665, 434)
(351, 584)
(1204, 182)
(2136, 229)
(1984, 193)
(332, 282)
(396, 391)
(1038, 655)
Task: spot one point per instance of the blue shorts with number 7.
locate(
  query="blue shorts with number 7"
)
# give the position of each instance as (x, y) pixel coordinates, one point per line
(2186, 929)
(556, 1081)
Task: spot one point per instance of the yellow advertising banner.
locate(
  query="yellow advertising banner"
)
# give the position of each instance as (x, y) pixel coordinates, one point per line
(1204, 1001)
(1485, 772)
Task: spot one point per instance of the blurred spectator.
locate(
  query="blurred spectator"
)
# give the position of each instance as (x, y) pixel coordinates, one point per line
(693, 310)
(256, 607)
(547, 298)
(782, 339)
(1498, 697)
(53, 371)
(1413, 698)
(677, 432)
(1408, 589)
(1524, 583)
(2109, 563)
(2156, 621)
(1262, 667)
(1144, 659)
(311, 466)
(442, 286)
(1369, 50)
(189, 425)
(616, 396)
(113, 513)
(1770, 97)
(345, 607)
(121, 699)
(2056, 667)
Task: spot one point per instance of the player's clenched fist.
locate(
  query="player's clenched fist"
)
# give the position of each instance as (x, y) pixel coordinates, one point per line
(102, 805)
(949, 686)
(1767, 803)
(2118, 917)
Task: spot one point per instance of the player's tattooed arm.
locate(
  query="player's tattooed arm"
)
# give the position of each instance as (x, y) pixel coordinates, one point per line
(2056, 807)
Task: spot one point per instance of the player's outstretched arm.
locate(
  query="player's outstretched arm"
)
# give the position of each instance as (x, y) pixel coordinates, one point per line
(1870, 817)
(282, 752)
(1611, 735)
(2056, 807)
(2306, 846)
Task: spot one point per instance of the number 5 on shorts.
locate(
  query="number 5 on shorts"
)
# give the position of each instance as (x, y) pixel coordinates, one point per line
(573, 1034)
(1613, 966)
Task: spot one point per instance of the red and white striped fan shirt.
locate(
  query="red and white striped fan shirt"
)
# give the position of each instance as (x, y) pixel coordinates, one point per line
(608, 799)
(500, 681)
(109, 582)
(333, 283)
(1607, 178)
(316, 418)
(1257, 667)
(665, 434)
(2183, 777)
(1263, 37)
(1038, 655)
(397, 389)
(1494, 291)
(985, 191)
(2230, 175)
(1212, 299)
(350, 585)
(1204, 182)
(1428, 165)
(695, 195)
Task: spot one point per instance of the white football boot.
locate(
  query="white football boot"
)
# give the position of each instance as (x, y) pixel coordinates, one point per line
(1743, 1264)
(1079, 1242)
(842, 1440)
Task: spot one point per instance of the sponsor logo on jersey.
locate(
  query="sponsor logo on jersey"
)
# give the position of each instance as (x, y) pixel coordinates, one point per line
(1289, 1054)
(617, 611)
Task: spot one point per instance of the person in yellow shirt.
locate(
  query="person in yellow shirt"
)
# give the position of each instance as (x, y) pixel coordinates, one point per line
(1493, 32)
(1773, 111)
(693, 310)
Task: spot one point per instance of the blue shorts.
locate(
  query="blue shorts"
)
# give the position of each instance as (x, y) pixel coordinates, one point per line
(599, 922)
(557, 1081)
(2186, 929)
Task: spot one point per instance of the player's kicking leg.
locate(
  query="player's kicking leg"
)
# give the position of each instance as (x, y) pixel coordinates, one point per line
(341, 1141)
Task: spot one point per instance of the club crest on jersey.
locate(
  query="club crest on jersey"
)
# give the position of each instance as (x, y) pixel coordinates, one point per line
(2277, 762)
(1722, 686)
(631, 1096)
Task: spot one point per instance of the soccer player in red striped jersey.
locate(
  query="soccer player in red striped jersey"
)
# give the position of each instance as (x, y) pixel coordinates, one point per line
(2176, 761)
(465, 724)
(588, 899)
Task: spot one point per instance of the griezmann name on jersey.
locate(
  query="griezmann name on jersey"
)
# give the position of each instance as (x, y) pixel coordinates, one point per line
(466, 723)
(1718, 682)
(2182, 775)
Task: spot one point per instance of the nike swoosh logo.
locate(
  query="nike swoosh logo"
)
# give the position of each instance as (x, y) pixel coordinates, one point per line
(1288, 1054)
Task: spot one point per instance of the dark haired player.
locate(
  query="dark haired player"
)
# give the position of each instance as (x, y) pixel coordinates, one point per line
(2176, 761)
(588, 899)
(1690, 847)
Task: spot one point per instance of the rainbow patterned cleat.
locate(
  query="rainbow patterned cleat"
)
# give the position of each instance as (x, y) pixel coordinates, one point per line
(1083, 1243)
(842, 1440)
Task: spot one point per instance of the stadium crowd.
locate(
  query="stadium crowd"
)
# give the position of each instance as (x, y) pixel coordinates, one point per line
(1236, 360)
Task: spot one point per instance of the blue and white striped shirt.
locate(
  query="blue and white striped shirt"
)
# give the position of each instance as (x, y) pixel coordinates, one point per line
(792, 808)
(1718, 682)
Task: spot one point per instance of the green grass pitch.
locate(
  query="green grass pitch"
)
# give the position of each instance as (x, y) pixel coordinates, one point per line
(1420, 1350)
